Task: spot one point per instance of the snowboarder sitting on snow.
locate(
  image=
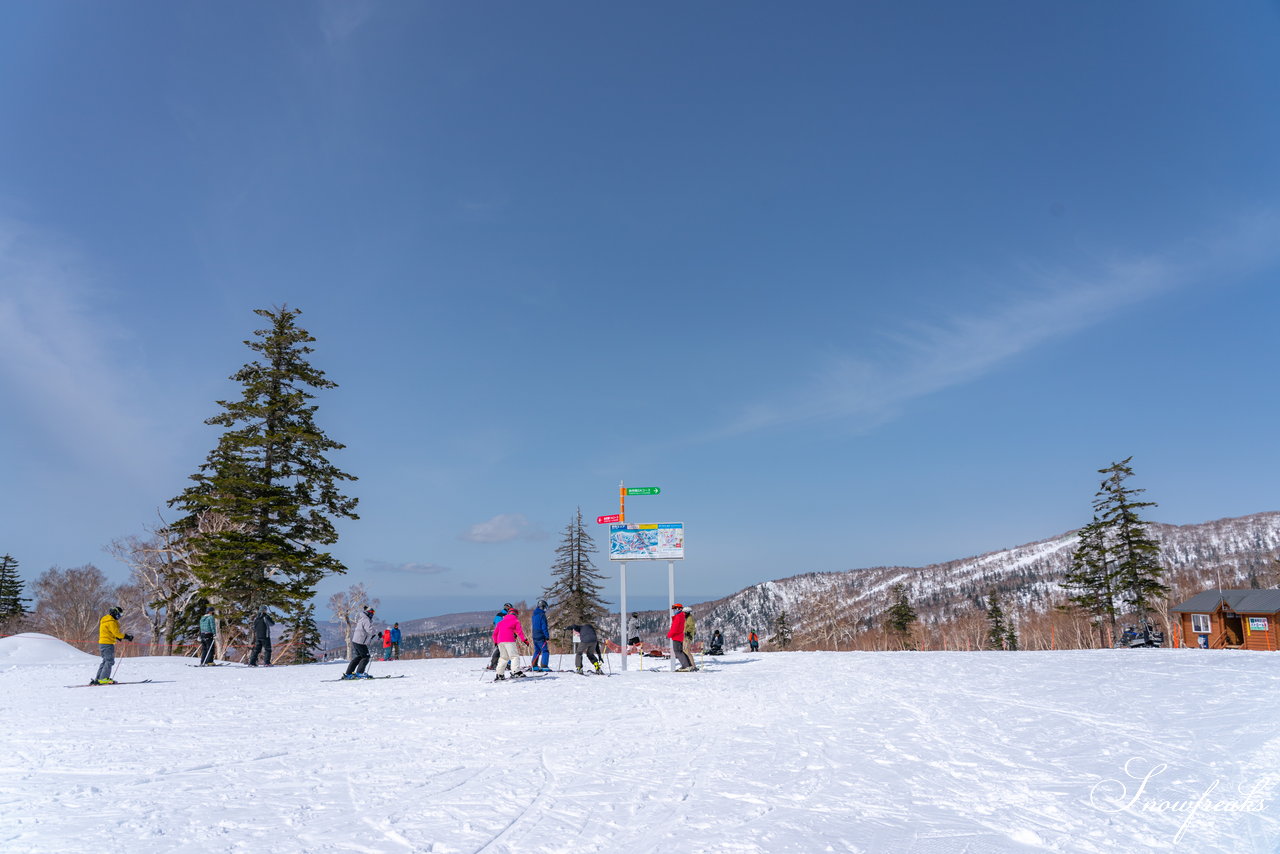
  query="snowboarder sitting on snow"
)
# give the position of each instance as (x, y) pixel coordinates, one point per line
(207, 628)
(717, 643)
(504, 635)
(676, 634)
(541, 637)
(261, 637)
(497, 618)
(360, 637)
(585, 640)
(108, 633)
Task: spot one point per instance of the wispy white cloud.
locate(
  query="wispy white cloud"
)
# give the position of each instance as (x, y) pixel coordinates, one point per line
(407, 568)
(502, 528)
(60, 359)
(922, 358)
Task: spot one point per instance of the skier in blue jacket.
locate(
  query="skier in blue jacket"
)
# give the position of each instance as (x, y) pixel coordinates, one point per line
(541, 634)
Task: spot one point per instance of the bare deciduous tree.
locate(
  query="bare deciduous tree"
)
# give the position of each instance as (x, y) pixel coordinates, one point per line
(69, 603)
(346, 605)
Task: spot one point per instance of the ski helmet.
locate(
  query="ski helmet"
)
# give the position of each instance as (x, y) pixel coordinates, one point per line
(116, 612)
(688, 610)
(542, 603)
(506, 606)
(677, 607)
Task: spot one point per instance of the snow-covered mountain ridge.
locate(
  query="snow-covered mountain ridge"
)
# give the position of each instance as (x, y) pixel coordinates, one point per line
(1027, 577)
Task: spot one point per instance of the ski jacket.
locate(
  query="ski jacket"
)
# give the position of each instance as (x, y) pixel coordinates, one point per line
(586, 633)
(206, 624)
(363, 632)
(677, 626)
(508, 629)
(395, 636)
(386, 637)
(262, 626)
(753, 637)
(540, 630)
(109, 630)
(690, 628)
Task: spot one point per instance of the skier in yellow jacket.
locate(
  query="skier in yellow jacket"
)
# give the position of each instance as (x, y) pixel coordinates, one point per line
(108, 633)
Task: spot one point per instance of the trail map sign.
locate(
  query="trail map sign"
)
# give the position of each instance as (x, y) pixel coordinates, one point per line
(662, 541)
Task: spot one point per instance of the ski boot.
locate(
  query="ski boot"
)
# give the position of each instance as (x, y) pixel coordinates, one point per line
(501, 677)
(106, 681)
(598, 670)
(517, 674)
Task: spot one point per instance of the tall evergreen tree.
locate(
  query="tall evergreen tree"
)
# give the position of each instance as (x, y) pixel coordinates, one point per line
(901, 616)
(12, 609)
(268, 482)
(781, 631)
(1116, 563)
(574, 592)
(998, 631)
(1135, 552)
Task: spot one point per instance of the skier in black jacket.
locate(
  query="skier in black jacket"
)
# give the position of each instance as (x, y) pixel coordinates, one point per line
(261, 637)
(585, 641)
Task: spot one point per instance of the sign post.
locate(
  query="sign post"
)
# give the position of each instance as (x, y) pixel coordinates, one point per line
(634, 541)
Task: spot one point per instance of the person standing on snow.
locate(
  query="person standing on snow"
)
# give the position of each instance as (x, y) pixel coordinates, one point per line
(395, 641)
(207, 629)
(690, 629)
(360, 637)
(504, 636)
(585, 640)
(497, 653)
(541, 637)
(754, 640)
(386, 644)
(108, 633)
(676, 634)
(261, 637)
(633, 630)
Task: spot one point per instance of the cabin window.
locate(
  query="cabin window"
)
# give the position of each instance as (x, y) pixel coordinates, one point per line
(1200, 624)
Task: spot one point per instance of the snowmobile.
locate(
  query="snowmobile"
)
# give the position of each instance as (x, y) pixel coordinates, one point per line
(1146, 638)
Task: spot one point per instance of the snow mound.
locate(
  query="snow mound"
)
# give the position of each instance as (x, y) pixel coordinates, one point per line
(33, 648)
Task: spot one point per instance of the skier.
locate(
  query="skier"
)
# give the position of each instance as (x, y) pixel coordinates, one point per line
(754, 640)
(386, 644)
(207, 628)
(717, 643)
(504, 637)
(108, 633)
(676, 634)
(541, 637)
(586, 641)
(395, 641)
(690, 628)
(633, 631)
(261, 637)
(360, 637)
(497, 618)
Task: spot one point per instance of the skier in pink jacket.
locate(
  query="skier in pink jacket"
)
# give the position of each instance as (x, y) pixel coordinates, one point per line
(504, 635)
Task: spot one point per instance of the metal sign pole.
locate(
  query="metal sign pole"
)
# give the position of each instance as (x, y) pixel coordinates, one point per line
(623, 617)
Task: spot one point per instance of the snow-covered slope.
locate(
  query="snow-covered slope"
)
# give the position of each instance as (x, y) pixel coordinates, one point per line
(1027, 576)
(784, 753)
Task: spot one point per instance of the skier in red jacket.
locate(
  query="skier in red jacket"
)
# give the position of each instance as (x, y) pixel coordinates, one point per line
(677, 638)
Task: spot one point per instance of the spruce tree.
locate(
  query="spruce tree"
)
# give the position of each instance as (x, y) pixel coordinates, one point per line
(900, 616)
(1135, 552)
(12, 609)
(998, 631)
(301, 635)
(781, 631)
(268, 482)
(1091, 580)
(574, 593)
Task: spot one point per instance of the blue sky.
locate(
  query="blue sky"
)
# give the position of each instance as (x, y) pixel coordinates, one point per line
(854, 283)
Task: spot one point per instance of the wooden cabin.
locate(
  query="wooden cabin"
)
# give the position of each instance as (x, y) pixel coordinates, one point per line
(1230, 619)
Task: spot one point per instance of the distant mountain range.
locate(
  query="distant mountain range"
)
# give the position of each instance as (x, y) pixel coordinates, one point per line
(1226, 552)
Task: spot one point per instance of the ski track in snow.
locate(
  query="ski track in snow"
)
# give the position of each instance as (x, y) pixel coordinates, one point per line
(883, 753)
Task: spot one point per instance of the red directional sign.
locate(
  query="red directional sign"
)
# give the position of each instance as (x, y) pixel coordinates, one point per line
(605, 520)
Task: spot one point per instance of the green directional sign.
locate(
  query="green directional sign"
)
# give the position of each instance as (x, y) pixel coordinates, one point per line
(643, 490)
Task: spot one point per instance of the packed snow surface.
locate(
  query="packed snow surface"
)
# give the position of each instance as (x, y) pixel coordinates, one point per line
(886, 753)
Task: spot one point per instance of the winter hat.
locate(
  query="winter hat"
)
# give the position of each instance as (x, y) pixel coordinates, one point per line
(514, 611)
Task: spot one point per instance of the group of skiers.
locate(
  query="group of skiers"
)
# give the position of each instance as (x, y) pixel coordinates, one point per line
(507, 630)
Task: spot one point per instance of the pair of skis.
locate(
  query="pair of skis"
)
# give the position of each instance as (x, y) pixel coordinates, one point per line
(109, 684)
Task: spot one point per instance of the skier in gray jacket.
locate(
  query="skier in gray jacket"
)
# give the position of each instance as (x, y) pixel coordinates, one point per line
(360, 637)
